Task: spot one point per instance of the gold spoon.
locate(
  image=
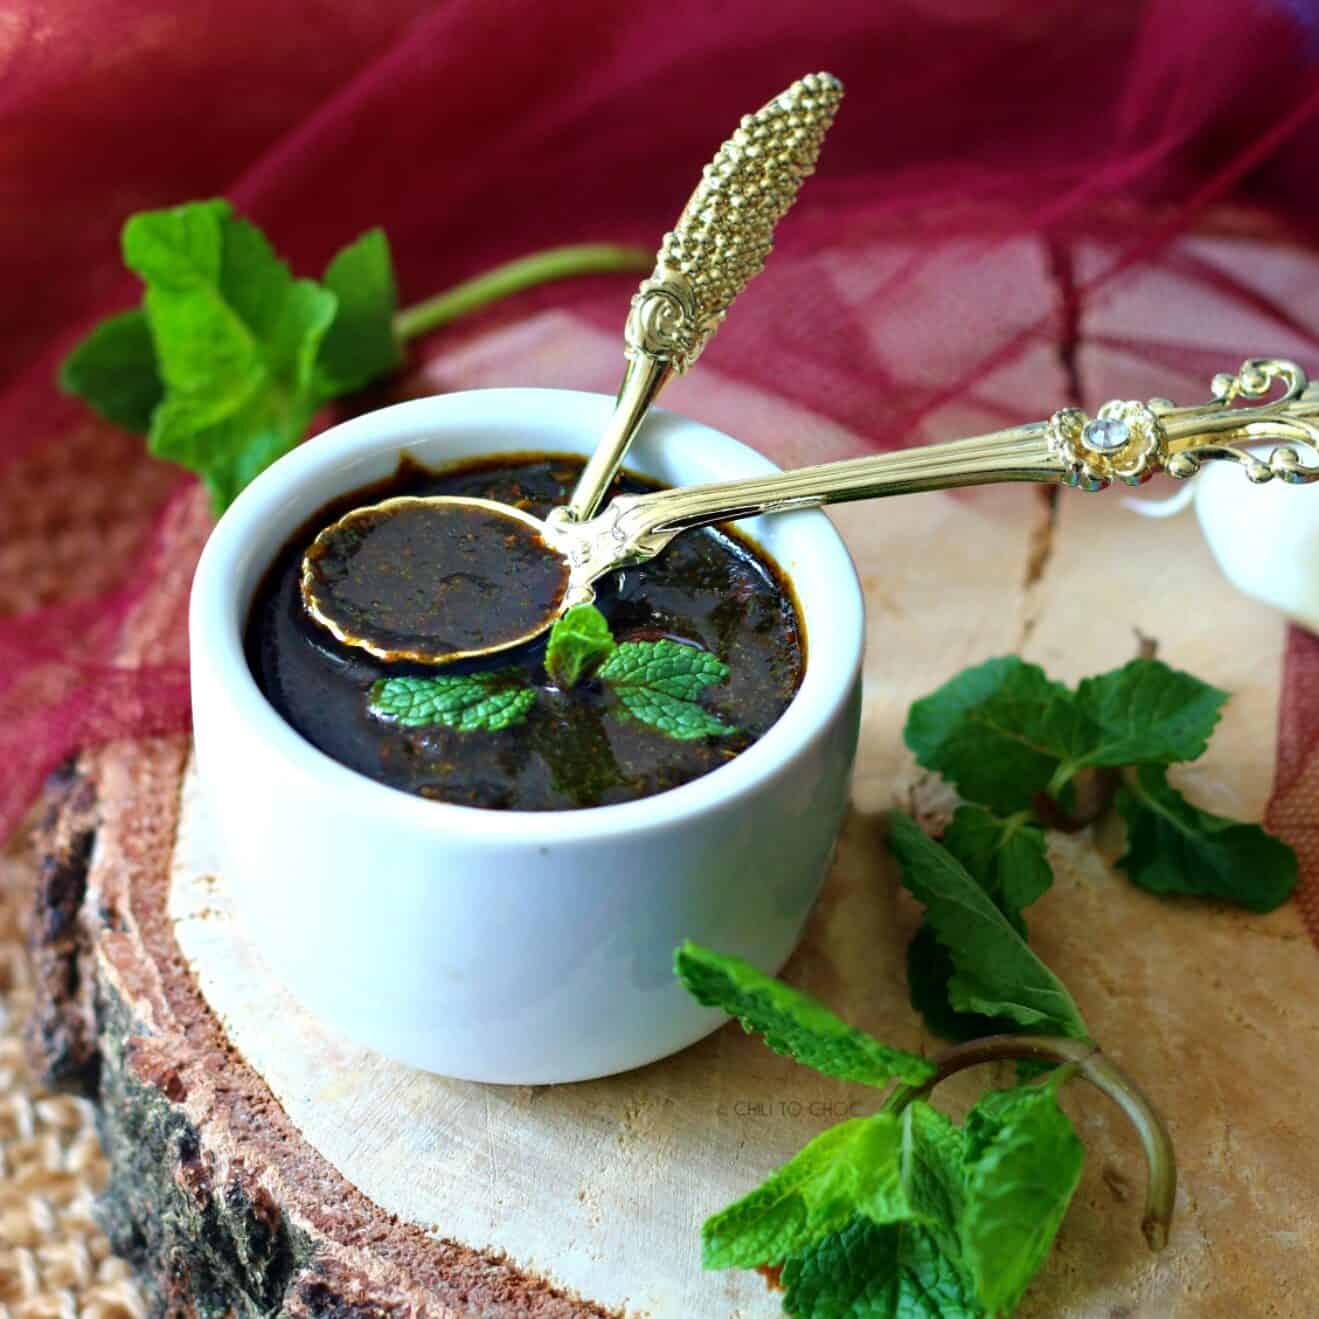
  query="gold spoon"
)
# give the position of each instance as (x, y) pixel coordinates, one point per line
(542, 568)
(718, 245)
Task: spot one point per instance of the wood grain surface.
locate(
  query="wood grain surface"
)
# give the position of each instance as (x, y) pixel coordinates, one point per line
(303, 1174)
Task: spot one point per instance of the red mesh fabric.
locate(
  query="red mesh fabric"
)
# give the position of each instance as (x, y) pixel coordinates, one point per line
(1020, 205)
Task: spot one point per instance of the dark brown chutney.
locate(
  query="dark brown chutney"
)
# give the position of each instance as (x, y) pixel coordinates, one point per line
(577, 748)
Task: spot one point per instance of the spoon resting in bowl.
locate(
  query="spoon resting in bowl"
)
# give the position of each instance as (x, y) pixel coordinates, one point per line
(435, 580)
(717, 246)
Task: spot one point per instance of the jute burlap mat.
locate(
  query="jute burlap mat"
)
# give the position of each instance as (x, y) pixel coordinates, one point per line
(55, 1262)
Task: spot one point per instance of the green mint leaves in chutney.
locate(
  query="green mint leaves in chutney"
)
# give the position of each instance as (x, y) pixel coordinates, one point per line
(230, 355)
(660, 683)
(470, 702)
(579, 643)
(656, 683)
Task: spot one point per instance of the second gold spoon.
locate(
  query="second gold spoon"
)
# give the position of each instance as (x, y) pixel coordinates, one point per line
(718, 245)
(533, 571)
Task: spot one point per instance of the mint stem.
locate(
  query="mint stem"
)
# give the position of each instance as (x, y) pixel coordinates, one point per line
(524, 273)
(1090, 1062)
(1094, 793)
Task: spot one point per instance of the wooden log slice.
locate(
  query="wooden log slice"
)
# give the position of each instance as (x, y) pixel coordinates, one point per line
(263, 1166)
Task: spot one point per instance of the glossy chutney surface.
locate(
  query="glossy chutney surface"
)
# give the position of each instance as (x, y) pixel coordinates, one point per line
(416, 580)
(577, 748)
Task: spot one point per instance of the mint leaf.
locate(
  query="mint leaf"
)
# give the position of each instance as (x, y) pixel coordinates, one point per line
(886, 1168)
(850, 1168)
(360, 344)
(684, 721)
(658, 683)
(929, 970)
(1146, 713)
(114, 370)
(995, 972)
(997, 731)
(869, 1271)
(1003, 732)
(232, 450)
(931, 1171)
(1023, 1164)
(682, 672)
(178, 248)
(793, 1023)
(1174, 847)
(236, 337)
(468, 702)
(580, 642)
(1008, 858)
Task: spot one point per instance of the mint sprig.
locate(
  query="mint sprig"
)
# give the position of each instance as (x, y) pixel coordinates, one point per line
(904, 1213)
(230, 355)
(958, 1221)
(1018, 744)
(236, 339)
(228, 359)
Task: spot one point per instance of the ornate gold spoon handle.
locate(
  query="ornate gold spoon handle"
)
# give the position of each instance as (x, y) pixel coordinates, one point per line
(718, 245)
(1126, 441)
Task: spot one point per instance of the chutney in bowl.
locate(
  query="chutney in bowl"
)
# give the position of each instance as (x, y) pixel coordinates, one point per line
(524, 946)
(575, 745)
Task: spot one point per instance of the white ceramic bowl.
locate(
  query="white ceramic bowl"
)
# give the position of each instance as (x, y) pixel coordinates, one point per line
(514, 946)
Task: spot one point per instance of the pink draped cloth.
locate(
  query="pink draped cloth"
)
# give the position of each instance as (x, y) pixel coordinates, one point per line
(1010, 188)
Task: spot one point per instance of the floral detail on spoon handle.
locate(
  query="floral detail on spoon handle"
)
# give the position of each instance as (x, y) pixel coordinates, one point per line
(1130, 441)
(1124, 442)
